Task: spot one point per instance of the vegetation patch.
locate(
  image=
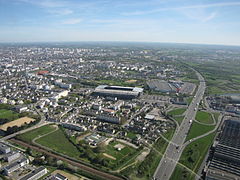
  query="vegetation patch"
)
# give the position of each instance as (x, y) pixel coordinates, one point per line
(192, 157)
(58, 142)
(204, 117)
(7, 115)
(198, 130)
(176, 112)
(29, 136)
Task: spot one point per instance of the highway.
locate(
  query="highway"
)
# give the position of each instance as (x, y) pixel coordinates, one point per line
(175, 148)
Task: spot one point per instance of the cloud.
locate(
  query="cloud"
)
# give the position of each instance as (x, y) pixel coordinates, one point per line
(61, 11)
(46, 3)
(210, 17)
(72, 21)
(224, 4)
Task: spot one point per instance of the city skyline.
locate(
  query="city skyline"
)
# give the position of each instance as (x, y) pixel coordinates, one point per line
(174, 21)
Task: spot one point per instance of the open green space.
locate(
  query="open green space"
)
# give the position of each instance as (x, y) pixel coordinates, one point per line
(131, 135)
(169, 134)
(189, 100)
(179, 119)
(29, 136)
(198, 129)
(122, 156)
(9, 115)
(146, 169)
(58, 142)
(216, 116)
(176, 112)
(192, 157)
(182, 173)
(204, 117)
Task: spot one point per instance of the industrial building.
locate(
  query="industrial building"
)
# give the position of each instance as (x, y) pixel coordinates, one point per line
(225, 163)
(4, 148)
(15, 166)
(12, 156)
(35, 174)
(118, 91)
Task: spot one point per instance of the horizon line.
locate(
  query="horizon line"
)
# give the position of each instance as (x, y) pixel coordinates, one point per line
(108, 41)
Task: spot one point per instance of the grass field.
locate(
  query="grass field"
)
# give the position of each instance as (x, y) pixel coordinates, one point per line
(131, 135)
(192, 157)
(189, 100)
(59, 143)
(8, 114)
(179, 119)
(216, 116)
(204, 117)
(181, 173)
(29, 136)
(121, 157)
(197, 130)
(178, 111)
(177, 114)
(147, 168)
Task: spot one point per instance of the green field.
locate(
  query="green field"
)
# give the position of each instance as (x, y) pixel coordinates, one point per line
(189, 100)
(179, 119)
(176, 112)
(216, 116)
(181, 173)
(197, 130)
(192, 157)
(58, 142)
(121, 156)
(204, 117)
(8, 114)
(29, 136)
(147, 168)
(131, 135)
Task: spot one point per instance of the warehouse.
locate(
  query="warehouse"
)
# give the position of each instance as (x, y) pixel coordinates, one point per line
(226, 161)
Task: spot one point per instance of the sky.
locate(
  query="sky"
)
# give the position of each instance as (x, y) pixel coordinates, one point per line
(174, 21)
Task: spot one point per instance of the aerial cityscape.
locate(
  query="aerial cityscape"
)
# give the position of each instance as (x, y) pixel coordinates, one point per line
(82, 98)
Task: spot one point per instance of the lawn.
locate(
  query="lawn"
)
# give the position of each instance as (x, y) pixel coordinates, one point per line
(181, 173)
(8, 114)
(197, 130)
(121, 156)
(179, 119)
(147, 168)
(192, 157)
(204, 117)
(169, 134)
(178, 111)
(131, 135)
(58, 142)
(189, 100)
(216, 116)
(29, 136)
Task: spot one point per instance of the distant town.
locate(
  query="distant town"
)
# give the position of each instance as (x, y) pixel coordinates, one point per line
(119, 111)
